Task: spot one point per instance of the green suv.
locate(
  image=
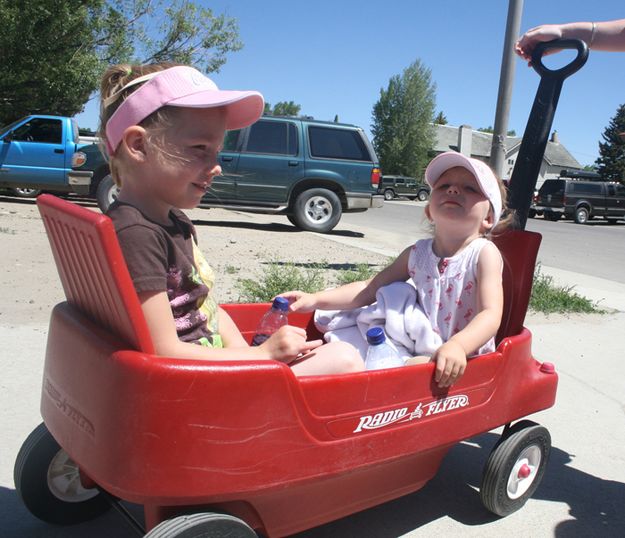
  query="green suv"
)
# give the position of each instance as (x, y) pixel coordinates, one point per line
(310, 171)
(408, 187)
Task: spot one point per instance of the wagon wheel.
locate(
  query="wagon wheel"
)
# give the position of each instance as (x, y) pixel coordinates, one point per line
(515, 468)
(48, 482)
(207, 525)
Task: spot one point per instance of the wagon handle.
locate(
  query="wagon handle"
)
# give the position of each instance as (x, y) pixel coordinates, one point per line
(527, 166)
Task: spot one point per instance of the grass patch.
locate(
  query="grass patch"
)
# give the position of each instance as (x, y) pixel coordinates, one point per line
(550, 298)
(280, 277)
(362, 271)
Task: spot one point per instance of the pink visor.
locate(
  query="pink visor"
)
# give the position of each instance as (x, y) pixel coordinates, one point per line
(483, 174)
(181, 86)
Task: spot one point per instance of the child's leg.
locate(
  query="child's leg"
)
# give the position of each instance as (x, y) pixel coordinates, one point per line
(419, 359)
(332, 358)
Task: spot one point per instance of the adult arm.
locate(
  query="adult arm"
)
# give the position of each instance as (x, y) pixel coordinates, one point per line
(606, 36)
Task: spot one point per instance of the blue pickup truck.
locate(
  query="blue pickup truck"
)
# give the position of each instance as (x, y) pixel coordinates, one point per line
(39, 152)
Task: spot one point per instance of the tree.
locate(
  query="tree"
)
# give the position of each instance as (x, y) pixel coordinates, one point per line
(611, 161)
(54, 51)
(440, 119)
(401, 121)
(489, 129)
(282, 108)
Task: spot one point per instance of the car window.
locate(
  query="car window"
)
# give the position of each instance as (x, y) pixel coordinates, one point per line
(586, 188)
(275, 137)
(552, 187)
(332, 143)
(231, 139)
(45, 130)
(400, 181)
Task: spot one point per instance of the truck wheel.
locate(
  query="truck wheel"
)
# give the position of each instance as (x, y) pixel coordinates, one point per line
(422, 195)
(531, 213)
(48, 482)
(548, 215)
(317, 210)
(23, 192)
(582, 215)
(106, 193)
(514, 468)
(389, 194)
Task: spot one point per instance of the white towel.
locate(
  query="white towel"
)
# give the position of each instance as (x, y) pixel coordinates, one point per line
(396, 309)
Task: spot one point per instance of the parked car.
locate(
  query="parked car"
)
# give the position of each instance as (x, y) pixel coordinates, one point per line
(311, 171)
(409, 187)
(40, 152)
(580, 199)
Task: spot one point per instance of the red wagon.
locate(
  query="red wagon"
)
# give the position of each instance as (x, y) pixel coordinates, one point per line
(214, 448)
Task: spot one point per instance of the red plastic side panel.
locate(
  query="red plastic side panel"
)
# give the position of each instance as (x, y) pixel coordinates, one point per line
(92, 269)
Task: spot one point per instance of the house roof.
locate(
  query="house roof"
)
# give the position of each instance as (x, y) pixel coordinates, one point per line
(447, 139)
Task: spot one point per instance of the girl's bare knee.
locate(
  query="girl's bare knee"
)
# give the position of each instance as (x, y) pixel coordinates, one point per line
(347, 357)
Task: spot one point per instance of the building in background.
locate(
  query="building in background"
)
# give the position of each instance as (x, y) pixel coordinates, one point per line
(478, 144)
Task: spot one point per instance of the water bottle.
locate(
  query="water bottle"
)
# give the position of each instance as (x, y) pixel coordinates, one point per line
(273, 319)
(380, 354)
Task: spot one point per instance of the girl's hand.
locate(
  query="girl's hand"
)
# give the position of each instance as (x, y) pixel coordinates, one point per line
(451, 361)
(288, 343)
(526, 43)
(300, 301)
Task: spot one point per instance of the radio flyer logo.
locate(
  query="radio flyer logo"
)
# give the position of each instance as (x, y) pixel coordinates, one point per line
(398, 416)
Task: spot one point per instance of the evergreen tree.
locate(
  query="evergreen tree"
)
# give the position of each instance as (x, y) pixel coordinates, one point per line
(611, 161)
(440, 119)
(401, 121)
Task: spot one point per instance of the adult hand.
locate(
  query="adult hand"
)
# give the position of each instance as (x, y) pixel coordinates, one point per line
(527, 42)
(451, 361)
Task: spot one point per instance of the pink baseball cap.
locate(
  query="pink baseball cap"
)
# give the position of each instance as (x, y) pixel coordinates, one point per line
(181, 86)
(483, 174)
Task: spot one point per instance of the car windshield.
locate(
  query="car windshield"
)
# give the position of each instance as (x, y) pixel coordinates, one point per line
(6, 128)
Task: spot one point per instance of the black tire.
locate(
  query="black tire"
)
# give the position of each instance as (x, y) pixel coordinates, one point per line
(423, 195)
(389, 194)
(48, 482)
(317, 210)
(531, 213)
(552, 216)
(611, 220)
(23, 192)
(206, 525)
(106, 193)
(505, 485)
(292, 220)
(582, 215)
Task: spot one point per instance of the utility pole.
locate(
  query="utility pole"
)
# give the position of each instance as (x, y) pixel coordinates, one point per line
(506, 79)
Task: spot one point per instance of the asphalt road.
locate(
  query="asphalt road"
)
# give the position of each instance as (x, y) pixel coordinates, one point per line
(594, 249)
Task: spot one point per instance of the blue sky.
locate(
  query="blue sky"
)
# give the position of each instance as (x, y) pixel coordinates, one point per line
(332, 57)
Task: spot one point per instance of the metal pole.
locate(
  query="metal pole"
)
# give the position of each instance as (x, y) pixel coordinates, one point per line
(506, 80)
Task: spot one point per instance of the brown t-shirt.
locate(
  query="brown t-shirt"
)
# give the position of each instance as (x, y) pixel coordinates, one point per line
(160, 258)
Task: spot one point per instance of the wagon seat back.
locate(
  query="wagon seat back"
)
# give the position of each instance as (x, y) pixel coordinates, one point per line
(93, 271)
(519, 249)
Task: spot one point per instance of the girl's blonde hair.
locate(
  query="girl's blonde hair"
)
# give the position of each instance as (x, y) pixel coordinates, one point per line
(113, 94)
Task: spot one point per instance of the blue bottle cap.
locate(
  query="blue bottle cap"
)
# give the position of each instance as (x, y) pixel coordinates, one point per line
(281, 304)
(375, 335)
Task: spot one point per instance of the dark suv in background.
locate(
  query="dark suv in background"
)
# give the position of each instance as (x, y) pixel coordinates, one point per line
(580, 198)
(409, 187)
(310, 171)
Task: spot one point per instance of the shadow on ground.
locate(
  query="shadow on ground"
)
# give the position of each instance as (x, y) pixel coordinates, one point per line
(269, 227)
(595, 505)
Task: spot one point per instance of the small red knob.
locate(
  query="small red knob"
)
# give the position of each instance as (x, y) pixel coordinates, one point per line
(548, 368)
(524, 471)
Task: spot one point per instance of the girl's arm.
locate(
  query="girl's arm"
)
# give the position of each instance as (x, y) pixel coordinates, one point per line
(285, 345)
(451, 357)
(351, 295)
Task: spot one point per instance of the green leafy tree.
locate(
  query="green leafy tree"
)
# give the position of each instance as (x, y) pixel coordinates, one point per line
(54, 51)
(283, 108)
(401, 121)
(611, 161)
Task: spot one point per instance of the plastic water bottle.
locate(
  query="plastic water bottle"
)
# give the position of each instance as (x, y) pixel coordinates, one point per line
(273, 319)
(380, 354)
